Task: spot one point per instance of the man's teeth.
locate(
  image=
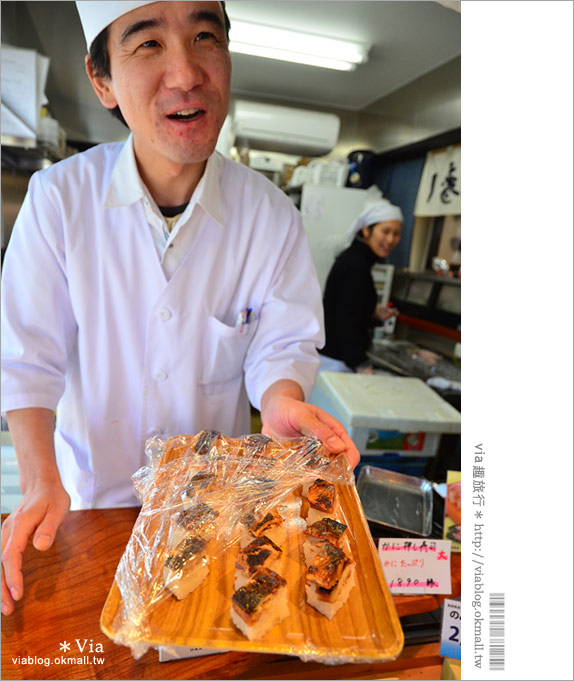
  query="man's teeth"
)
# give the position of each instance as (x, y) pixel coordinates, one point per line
(186, 113)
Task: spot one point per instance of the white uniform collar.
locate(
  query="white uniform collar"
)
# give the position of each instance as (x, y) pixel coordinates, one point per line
(126, 186)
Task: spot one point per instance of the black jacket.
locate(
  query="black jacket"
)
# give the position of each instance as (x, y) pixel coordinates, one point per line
(349, 303)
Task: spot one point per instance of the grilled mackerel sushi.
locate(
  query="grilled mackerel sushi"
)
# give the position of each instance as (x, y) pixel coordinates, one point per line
(326, 529)
(260, 604)
(198, 519)
(261, 552)
(202, 482)
(322, 499)
(329, 580)
(186, 566)
(206, 439)
(268, 524)
(261, 446)
(321, 531)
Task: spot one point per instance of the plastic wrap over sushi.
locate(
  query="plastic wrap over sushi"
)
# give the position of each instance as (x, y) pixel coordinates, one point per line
(222, 532)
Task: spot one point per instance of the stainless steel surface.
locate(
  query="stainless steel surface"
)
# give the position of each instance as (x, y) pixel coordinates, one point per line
(425, 276)
(406, 359)
(395, 500)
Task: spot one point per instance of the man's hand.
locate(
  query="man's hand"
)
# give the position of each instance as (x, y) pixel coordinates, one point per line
(284, 414)
(45, 502)
(40, 513)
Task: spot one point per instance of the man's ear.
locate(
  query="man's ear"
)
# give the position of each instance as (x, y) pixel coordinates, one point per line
(102, 86)
(365, 232)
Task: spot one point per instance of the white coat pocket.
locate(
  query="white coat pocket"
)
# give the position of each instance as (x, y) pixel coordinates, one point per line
(224, 351)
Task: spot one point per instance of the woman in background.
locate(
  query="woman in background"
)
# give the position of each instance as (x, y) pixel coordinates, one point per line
(350, 300)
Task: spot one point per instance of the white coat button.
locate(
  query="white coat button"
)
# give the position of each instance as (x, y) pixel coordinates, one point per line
(160, 376)
(164, 314)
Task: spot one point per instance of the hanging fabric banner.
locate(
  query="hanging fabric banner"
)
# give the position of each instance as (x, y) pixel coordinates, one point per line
(439, 188)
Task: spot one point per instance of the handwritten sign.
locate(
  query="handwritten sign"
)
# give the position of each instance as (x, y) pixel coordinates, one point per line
(416, 566)
(439, 189)
(450, 632)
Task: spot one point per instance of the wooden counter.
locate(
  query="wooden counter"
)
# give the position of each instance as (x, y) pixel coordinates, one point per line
(65, 590)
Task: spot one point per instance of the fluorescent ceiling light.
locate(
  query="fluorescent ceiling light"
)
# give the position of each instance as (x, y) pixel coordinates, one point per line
(286, 55)
(302, 48)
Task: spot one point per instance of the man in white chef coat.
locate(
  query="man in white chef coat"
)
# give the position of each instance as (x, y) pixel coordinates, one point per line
(150, 287)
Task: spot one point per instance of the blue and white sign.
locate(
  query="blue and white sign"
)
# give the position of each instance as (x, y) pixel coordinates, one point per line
(450, 633)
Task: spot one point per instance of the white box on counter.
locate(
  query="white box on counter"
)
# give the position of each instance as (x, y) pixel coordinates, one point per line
(386, 413)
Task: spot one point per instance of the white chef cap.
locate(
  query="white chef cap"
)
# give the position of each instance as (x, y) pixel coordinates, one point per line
(95, 16)
(378, 212)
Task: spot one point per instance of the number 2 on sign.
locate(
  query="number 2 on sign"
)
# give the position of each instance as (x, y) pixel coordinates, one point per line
(454, 637)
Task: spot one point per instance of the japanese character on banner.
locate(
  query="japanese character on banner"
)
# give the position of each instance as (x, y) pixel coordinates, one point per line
(439, 188)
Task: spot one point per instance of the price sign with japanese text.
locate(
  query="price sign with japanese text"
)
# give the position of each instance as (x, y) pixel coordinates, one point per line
(450, 632)
(416, 566)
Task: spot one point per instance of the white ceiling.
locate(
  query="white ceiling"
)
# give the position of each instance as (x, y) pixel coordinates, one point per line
(409, 39)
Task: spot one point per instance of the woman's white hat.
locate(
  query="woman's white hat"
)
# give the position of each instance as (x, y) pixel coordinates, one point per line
(379, 212)
(95, 16)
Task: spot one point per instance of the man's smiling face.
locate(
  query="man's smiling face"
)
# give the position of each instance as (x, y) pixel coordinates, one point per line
(170, 76)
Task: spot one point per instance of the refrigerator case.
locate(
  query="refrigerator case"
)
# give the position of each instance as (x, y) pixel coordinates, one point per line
(328, 213)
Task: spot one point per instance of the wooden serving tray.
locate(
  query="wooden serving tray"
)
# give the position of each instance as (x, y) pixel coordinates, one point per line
(365, 629)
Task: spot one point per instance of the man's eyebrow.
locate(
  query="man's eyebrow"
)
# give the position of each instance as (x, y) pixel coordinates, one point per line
(137, 27)
(206, 15)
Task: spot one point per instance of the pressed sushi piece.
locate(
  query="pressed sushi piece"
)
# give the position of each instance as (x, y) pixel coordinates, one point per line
(261, 446)
(320, 494)
(322, 499)
(205, 441)
(201, 482)
(257, 440)
(186, 566)
(327, 566)
(261, 552)
(200, 515)
(260, 604)
(197, 519)
(326, 529)
(321, 531)
(269, 524)
(329, 580)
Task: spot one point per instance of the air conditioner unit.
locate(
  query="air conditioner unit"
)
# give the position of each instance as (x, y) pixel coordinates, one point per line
(280, 128)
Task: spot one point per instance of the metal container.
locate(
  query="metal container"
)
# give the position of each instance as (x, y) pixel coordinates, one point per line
(395, 500)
